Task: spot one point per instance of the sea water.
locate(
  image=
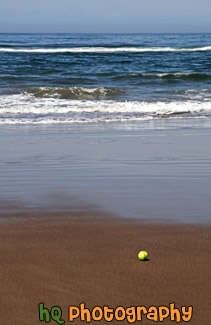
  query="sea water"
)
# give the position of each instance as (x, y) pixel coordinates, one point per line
(119, 122)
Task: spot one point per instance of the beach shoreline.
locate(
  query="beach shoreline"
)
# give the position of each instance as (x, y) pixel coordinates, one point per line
(105, 151)
(68, 258)
(154, 170)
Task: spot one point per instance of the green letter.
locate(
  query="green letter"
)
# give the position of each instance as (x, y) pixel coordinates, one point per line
(56, 314)
(43, 312)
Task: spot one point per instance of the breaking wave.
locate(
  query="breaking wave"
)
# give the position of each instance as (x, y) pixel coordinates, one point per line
(104, 49)
(27, 108)
(74, 92)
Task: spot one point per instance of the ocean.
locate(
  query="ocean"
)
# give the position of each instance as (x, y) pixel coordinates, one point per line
(92, 78)
(119, 122)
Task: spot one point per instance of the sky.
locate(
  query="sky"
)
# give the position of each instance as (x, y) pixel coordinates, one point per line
(105, 16)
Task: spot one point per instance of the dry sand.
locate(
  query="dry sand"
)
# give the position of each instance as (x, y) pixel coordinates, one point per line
(66, 259)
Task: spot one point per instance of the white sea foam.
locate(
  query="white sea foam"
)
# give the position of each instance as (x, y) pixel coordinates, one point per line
(104, 49)
(25, 108)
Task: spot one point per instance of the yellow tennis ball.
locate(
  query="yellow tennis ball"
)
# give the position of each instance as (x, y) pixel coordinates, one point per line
(142, 255)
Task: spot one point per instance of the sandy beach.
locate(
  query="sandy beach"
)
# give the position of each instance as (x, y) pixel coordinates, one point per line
(64, 259)
(105, 152)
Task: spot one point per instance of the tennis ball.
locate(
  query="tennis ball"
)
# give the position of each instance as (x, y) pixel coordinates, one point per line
(142, 255)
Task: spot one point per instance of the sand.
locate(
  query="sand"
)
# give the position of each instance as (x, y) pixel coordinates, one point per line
(65, 259)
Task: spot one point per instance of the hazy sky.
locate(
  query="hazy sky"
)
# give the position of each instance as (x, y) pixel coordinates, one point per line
(105, 16)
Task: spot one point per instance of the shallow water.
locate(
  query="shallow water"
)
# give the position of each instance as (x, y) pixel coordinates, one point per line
(149, 170)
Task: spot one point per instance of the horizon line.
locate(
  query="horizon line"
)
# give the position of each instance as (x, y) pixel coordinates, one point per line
(108, 33)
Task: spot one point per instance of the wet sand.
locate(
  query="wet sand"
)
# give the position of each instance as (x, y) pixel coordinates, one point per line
(68, 258)
(159, 169)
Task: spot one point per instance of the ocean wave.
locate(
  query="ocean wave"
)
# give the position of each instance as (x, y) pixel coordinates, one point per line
(165, 76)
(25, 108)
(74, 92)
(104, 49)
